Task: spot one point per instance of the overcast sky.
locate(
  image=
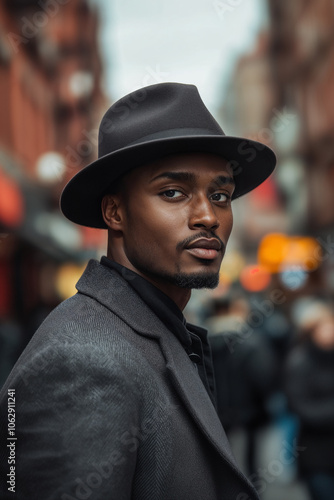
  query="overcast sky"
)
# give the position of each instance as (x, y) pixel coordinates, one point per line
(190, 41)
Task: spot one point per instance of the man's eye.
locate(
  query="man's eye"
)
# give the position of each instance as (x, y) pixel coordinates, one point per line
(172, 193)
(220, 197)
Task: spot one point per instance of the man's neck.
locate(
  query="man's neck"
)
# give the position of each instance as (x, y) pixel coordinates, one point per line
(179, 295)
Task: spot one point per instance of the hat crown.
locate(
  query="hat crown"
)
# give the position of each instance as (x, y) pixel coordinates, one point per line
(157, 111)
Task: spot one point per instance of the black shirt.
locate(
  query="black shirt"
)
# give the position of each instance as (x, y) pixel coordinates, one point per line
(193, 338)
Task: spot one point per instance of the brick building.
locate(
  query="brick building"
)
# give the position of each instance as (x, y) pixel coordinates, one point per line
(301, 51)
(281, 94)
(51, 100)
(250, 109)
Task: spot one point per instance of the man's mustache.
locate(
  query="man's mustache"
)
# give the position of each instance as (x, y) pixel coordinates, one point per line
(204, 234)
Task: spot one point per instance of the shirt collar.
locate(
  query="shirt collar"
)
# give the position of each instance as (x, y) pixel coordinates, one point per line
(164, 307)
(193, 338)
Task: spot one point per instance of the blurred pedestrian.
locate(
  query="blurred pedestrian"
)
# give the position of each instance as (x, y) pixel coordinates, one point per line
(310, 389)
(245, 367)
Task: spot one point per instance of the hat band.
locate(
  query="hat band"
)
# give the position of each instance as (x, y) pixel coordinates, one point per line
(176, 132)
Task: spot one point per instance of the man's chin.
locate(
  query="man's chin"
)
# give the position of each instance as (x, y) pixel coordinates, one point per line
(189, 280)
(196, 280)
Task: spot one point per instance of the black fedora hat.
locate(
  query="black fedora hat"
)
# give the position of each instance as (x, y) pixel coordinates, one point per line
(151, 123)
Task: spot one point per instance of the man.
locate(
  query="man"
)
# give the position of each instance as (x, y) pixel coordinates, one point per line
(115, 394)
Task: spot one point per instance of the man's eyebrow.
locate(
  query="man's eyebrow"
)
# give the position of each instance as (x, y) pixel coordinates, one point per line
(190, 177)
(176, 176)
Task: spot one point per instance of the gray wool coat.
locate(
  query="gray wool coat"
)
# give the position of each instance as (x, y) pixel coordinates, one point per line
(110, 407)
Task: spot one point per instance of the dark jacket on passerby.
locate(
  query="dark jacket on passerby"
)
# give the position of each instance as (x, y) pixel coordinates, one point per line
(309, 383)
(245, 371)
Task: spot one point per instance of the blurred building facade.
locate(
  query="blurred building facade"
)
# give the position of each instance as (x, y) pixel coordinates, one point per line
(301, 50)
(281, 94)
(51, 102)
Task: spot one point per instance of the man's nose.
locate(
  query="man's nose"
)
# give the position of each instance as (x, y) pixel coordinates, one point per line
(203, 214)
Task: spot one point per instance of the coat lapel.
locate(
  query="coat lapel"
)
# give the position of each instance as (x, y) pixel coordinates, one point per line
(107, 287)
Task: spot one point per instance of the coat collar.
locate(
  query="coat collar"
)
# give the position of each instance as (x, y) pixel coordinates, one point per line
(109, 288)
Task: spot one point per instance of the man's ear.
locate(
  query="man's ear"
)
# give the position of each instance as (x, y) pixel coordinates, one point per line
(111, 212)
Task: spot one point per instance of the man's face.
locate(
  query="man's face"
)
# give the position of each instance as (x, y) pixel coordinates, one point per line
(176, 218)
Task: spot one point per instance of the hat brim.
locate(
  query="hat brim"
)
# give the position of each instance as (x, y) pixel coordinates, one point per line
(252, 162)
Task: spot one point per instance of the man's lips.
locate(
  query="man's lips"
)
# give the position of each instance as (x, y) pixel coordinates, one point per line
(204, 248)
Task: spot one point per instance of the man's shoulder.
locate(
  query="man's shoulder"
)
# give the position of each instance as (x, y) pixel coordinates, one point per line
(94, 327)
(80, 320)
(78, 337)
(94, 306)
(78, 325)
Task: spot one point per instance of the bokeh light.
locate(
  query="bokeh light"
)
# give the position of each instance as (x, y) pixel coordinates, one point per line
(255, 278)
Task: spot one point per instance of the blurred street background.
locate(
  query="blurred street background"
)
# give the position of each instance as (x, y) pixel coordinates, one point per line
(265, 69)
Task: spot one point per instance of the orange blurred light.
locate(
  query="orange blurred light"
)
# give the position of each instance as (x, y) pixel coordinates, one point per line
(305, 252)
(255, 278)
(279, 250)
(66, 279)
(272, 251)
(11, 202)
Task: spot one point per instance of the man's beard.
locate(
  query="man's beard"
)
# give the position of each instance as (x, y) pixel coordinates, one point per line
(194, 280)
(182, 280)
